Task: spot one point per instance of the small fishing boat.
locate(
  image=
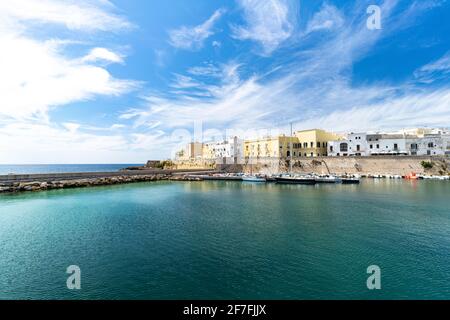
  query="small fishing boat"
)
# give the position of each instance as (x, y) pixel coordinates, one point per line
(412, 176)
(253, 179)
(296, 180)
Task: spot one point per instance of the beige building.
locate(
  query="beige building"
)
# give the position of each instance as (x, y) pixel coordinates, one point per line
(313, 143)
(191, 151)
(269, 147)
(306, 143)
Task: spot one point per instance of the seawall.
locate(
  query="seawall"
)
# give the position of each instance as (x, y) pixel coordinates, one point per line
(379, 165)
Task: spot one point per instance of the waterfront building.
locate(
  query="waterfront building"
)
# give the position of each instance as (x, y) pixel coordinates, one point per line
(313, 143)
(191, 151)
(305, 143)
(227, 151)
(420, 142)
(269, 147)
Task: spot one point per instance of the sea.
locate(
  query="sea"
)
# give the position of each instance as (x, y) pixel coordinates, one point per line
(228, 240)
(61, 168)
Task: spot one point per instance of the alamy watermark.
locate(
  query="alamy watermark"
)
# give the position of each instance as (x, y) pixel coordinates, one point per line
(374, 280)
(374, 20)
(74, 280)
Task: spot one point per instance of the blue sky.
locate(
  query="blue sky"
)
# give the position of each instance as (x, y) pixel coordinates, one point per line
(97, 81)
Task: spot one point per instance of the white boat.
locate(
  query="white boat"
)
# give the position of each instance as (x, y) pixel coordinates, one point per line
(327, 179)
(253, 179)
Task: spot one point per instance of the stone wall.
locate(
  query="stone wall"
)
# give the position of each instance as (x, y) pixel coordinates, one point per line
(382, 165)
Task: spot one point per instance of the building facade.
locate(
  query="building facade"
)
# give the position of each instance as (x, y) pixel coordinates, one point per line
(229, 151)
(313, 143)
(192, 151)
(418, 142)
(269, 147)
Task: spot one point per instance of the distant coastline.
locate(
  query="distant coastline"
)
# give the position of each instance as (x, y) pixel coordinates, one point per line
(61, 168)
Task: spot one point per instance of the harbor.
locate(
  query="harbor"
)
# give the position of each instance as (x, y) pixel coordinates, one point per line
(42, 182)
(228, 240)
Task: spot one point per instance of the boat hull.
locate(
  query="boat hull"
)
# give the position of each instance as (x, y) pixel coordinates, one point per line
(253, 179)
(295, 181)
(350, 181)
(319, 180)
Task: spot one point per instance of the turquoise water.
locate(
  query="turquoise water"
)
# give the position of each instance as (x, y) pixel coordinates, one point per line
(228, 240)
(60, 168)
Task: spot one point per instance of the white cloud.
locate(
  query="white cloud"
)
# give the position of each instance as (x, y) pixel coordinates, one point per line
(192, 38)
(327, 18)
(435, 70)
(314, 90)
(36, 75)
(102, 54)
(268, 22)
(86, 15)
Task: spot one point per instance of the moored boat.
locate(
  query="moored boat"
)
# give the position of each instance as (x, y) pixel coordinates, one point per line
(328, 179)
(296, 180)
(253, 179)
(350, 180)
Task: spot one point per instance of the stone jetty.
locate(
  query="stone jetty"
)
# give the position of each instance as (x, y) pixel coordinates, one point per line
(78, 183)
(36, 185)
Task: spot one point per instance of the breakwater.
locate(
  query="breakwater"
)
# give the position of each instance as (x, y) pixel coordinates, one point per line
(376, 165)
(41, 182)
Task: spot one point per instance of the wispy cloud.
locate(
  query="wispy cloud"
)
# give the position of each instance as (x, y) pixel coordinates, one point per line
(86, 15)
(314, 89)
(103, 54)
(329, 17)
(192, 38)
(269, 23)
(36, 74)
(436, 70)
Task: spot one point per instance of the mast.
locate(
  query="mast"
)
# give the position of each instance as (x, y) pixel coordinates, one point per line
(290, 147)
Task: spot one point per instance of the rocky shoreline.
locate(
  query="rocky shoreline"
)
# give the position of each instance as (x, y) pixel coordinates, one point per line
(88, 182)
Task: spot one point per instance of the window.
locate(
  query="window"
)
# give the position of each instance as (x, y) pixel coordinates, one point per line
(312, 144)
(358, 147)
(312, 155)
(344, 147)
(378, 146)
(305, 145)
(318, 144)
(331, 148)
(395, 146)
(431, 145)
(371, 146)
(414, 146)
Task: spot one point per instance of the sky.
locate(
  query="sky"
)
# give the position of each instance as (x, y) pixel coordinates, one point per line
(126, 81)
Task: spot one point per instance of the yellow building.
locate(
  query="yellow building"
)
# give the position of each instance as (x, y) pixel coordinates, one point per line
(208, 152)
(313, 143)
(269, 147)
(306, 143)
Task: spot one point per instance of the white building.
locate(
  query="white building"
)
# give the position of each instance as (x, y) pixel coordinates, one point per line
(420, 142)
(354, 145)
(229, 151)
